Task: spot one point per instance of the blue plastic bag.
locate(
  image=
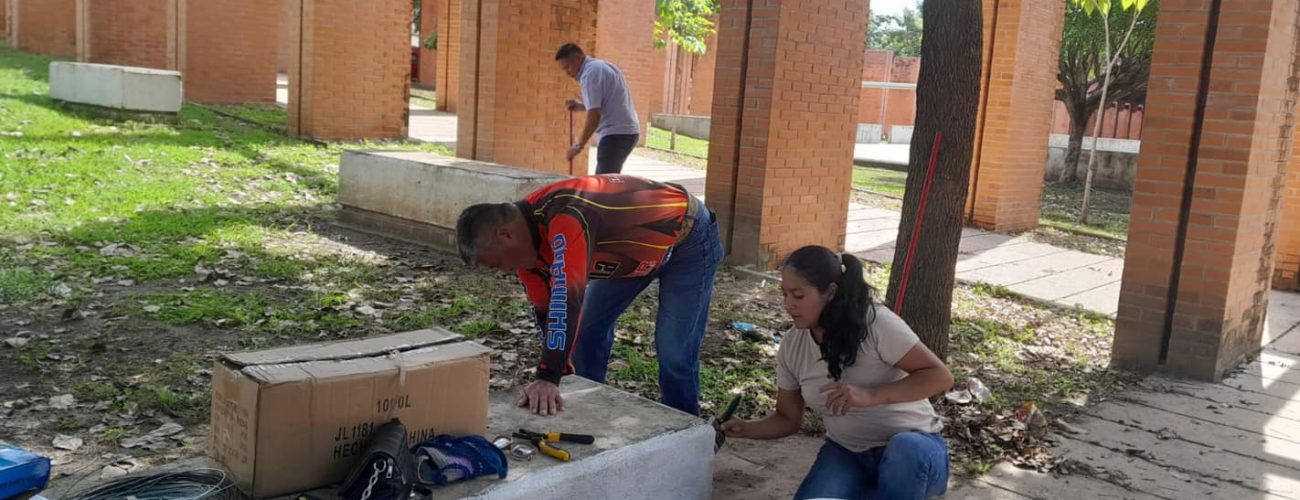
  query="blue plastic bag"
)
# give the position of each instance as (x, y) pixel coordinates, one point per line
(21, 471)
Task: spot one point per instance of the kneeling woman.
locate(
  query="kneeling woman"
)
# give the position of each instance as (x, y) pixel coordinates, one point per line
(857, 364)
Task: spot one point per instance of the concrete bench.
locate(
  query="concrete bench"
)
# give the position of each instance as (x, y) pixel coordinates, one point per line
(117, 87)
(416, 197)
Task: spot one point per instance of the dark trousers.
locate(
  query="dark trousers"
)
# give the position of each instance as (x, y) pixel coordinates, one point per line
(612, 151)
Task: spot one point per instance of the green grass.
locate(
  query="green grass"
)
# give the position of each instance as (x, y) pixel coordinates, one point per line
(1062, 204)
(269, 114)
(181, 193)
(880, 180)
(690, 146)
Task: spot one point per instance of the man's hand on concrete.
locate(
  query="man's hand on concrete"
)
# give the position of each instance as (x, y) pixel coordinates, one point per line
(574, 105)
(542, 397)
(573, 151)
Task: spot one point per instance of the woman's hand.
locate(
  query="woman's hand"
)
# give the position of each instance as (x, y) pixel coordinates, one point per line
(841, 396)
(736, 429)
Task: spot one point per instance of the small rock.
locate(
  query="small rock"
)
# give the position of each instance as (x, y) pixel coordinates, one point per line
(366, 310)
(63, 402)
(1065, 427)
(1166, 434)
(65, 442)
(152, 309)
(16, 342)
(1181, 476)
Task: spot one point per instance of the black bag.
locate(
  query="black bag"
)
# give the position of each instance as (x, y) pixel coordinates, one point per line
(387, 469)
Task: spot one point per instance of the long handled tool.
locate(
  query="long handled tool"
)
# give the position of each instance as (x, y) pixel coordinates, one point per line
(571, 172)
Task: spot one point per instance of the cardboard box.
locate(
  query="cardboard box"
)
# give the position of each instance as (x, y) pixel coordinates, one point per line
(296, 418)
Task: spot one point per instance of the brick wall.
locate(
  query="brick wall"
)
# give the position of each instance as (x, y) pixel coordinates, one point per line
(625, 37)
(659, 65)
(888, 107)
(1011, 150)
(1232, 223)
(450, 16)
(430, 10)
(513, 112)
(130, 33)
(228, 50)
(1286, 264)
(47, 27)
(790, 169)
(354, 72)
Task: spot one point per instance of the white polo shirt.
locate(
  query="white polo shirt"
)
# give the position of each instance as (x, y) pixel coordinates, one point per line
(605, 88)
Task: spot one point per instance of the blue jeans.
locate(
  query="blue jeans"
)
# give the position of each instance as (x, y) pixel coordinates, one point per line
(685, 290)
(914, 465)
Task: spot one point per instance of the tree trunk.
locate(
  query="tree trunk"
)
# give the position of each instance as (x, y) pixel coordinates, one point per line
(1070, 174)
(947, 97)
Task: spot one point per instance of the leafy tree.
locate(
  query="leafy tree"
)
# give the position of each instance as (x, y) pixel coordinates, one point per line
(900, 33)
(1105, 57)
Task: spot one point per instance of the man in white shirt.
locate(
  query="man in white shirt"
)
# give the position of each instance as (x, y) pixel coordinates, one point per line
(608, 103)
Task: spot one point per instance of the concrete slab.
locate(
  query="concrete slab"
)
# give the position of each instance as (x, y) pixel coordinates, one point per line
(1104, 299)
(1024, 270)
(1280, 451)
(418, 196)
(1274, 365)
(1203, 462)
(895, 155)
(1238, 418)
(1283, 322)
(875, 224)
(868, 241)
(1029, 484)
(117, 87)
(981, 241)
(880, 255)
(1147, 477)
(1003, 255)
(434, 126)
(1222, 394)
(1056, 286)
(1255, 384)
(643, 450)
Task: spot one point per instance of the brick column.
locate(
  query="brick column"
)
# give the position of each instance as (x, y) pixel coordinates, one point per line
(511, 109)
(1016, 115)
(1224, 191)
(784, 118)
(430, 14)
(227, 50)
(46, 27)
(353, 74)
(1286, 262)
(625, 37)
(129, 33)
(449, 54)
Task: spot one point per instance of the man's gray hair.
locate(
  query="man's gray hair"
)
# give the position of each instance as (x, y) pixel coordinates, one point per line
(478, 221)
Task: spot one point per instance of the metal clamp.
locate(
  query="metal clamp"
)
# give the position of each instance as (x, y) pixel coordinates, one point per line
(522, 451)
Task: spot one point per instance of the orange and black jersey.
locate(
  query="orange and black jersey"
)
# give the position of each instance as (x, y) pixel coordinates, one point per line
(597, 227)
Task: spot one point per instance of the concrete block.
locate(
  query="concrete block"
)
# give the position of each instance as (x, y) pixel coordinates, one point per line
(117, 87)
(417, 197)
(642, 450)
(869, 133)
(900, 134)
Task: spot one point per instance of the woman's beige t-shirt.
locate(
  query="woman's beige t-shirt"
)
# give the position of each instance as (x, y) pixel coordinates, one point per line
(800, 368)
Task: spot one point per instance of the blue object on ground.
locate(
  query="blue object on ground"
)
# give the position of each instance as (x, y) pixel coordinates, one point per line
(744, 327)
(21, 471)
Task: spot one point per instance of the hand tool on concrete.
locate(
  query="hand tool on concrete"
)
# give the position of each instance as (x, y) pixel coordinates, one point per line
(542, 447)
(555, 437)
